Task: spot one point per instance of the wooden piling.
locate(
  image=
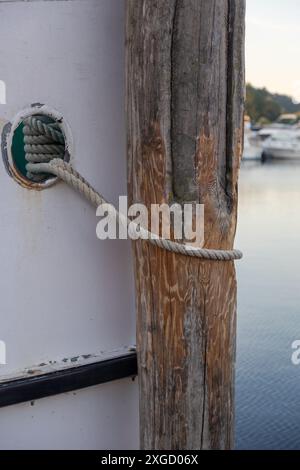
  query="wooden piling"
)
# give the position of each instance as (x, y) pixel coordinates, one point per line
(185, 93)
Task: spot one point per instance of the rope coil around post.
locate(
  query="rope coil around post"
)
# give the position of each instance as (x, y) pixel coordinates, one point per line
(44, 152)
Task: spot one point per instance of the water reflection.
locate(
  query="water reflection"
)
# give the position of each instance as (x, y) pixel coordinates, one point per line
(267, 383)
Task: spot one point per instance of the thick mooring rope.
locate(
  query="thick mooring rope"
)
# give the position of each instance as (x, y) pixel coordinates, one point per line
(44, 151)
(42, 142)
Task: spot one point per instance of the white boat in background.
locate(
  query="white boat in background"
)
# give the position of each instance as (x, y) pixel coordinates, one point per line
(283, 144)
(252, 144)
(280, 140)
(252, 147)
(285, 122)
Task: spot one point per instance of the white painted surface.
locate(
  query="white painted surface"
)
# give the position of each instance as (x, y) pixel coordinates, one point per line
(93, 418)
(63, 292)
(2, 92)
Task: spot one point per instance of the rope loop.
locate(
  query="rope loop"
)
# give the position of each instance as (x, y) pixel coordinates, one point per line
(44, 152)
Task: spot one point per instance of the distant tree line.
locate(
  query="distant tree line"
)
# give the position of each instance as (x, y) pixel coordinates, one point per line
(263, 106)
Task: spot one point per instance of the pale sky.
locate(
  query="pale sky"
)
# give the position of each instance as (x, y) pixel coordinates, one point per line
(273, 45)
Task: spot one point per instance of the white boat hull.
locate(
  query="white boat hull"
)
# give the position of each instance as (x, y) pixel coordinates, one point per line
(64, 293)
(282, 154)
(283, 145)
(251, 153)
(252, 146)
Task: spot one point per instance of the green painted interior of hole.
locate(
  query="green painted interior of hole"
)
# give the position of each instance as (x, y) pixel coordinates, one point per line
(17, 148)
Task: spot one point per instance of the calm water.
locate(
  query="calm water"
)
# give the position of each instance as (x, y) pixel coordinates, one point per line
(267, 383)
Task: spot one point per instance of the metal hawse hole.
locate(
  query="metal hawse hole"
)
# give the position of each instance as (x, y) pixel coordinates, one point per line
(30, 145)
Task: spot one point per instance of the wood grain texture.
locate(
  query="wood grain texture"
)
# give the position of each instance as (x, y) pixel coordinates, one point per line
(185, 93)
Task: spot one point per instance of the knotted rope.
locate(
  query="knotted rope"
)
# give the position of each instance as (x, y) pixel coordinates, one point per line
(44, 151)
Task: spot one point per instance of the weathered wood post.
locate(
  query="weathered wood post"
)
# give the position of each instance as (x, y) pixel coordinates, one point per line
(185, 92)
